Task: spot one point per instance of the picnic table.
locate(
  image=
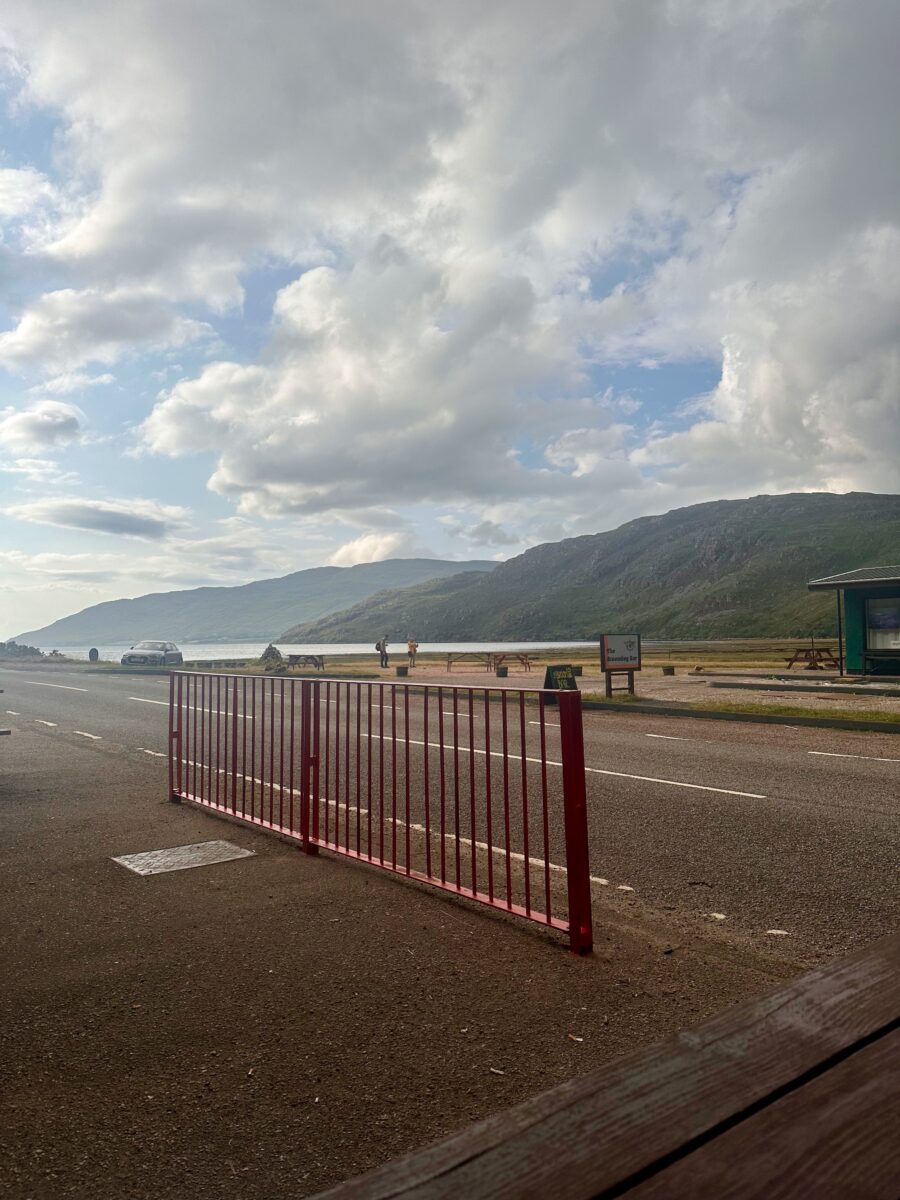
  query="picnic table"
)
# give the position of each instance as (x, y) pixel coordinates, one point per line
(524, 660)
(794, 1094)
(485, 658)
(815, 657)
(307, 660)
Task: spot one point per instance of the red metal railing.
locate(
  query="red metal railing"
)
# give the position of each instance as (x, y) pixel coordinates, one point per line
(478, 791)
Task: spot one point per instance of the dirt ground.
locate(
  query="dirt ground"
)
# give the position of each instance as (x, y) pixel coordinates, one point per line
(267, 1027)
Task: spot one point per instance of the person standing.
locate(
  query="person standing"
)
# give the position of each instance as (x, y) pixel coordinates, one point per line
(383, 644)
(411, 647)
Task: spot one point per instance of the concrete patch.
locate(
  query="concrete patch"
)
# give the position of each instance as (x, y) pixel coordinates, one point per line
(179, 858)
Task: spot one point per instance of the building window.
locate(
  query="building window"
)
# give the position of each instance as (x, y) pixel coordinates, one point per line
(883, 624)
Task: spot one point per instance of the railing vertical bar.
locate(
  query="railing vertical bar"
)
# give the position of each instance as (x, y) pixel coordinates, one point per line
(524, 753)
(272, 752)
(406, 773)
(253, 746)
(358, 760)
(487, 792)
(347, 770)
(262, 748)
(291, 752)
(281, 758)
(394, 776)
(171, 746)
(504, 718)
(337, 764)
(370, 805)
(234, 748)
(224, 764)
(440, 700)
(244, 747)
(202, 744)
(195, 756)
(327, 759)
(381, 775)
(472, 831)
(427, 781)
(315, 717)
(548, 914)
(456, 785)
(218, 732)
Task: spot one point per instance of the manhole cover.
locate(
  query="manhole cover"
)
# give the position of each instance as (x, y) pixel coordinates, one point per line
(179, 858)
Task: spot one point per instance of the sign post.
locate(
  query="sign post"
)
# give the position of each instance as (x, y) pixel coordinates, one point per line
(620, 654)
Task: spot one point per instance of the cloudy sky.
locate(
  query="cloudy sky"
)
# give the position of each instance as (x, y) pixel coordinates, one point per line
(304, 281)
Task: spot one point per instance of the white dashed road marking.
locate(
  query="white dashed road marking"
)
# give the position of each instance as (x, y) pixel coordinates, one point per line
(155, 753)
(667, 737)
(94, 736)
(142, 700)
(65, 686)
(778, 932)
(10, 713)
(38, 721)
(867, 757)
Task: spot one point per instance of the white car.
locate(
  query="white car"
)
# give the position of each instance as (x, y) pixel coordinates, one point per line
(153, 654)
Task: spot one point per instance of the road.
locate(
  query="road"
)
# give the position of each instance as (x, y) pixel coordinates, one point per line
(766, 833)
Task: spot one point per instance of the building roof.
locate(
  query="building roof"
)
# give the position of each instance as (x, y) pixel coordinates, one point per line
(861, 577)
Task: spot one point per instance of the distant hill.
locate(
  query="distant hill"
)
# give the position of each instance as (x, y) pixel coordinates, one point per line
(250, 612)
(730, 568)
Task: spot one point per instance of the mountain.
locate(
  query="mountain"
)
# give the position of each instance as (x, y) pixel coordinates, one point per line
(250, 612)
(730, 568)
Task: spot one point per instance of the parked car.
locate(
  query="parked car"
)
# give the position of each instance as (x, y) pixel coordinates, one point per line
(153, 654)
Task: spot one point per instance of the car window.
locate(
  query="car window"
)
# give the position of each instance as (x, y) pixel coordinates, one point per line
(150, 646)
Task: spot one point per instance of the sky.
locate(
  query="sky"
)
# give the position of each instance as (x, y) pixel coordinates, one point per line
(293, 283)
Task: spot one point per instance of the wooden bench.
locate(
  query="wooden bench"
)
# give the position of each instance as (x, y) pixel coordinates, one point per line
(815, 657)
(307, 660)
(793, 1095)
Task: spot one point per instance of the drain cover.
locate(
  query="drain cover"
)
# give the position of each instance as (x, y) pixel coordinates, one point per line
(179, 858)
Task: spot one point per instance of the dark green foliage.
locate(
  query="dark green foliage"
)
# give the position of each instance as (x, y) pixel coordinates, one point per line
(731, 568)
(252, 612)
(14, 650)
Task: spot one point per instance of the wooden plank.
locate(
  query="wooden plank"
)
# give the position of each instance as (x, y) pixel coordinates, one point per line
(838, 1135)
(593, 1134)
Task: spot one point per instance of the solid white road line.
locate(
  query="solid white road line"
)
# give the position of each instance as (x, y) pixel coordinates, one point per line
(547, 724)
(142, 700)
(867, 757)
(65, 686)
(94, 736)
(668, 737)
(38, 721)
(213, 712)
(699, 787)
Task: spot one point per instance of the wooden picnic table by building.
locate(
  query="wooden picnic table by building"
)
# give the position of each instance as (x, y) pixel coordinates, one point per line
(815, 658)
(508, 656)
(796, 1094)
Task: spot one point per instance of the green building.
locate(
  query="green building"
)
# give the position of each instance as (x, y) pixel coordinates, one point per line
(868, 620)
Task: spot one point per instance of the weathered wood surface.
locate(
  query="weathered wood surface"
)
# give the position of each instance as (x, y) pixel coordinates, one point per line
(611, 1132)
(835, 1136)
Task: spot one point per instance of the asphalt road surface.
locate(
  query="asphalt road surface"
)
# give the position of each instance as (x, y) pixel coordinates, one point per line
(767, 833)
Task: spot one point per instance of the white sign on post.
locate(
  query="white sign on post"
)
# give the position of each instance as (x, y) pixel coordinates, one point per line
(620, 652)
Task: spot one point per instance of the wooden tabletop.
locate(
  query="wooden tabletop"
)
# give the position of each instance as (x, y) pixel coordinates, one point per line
(793, 1096)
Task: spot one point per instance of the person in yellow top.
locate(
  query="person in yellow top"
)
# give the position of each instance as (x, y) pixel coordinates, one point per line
(411, 647)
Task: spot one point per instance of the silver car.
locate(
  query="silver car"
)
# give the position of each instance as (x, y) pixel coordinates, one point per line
(153, 654)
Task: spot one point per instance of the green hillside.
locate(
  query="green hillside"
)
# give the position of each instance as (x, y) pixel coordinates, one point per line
(730, 568)
(249, 612)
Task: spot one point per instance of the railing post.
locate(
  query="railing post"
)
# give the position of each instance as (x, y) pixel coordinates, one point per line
(578, 870)
(306, 774)
(174, 740)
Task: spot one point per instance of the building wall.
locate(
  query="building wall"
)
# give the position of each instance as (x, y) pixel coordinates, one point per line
(855, 628)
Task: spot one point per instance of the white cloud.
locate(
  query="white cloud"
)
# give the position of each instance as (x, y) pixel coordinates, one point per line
(43, 425)
(127, 518)
(21, 190)
(39, 470)
(372, 547)
(63, 330)
(73, 381)
(487, 209)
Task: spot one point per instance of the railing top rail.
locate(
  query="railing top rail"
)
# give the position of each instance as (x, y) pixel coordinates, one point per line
(409, 684)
